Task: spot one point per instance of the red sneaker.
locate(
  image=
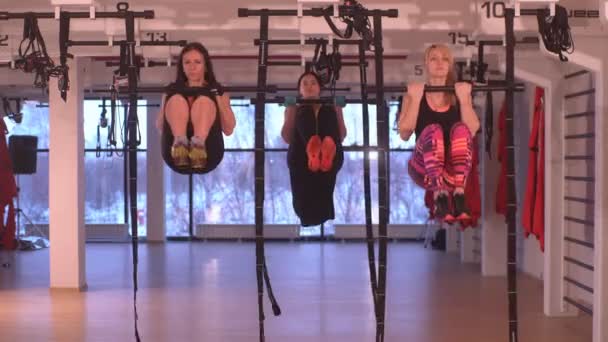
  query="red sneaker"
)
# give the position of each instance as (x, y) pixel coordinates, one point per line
(313, 152)
(328, 153)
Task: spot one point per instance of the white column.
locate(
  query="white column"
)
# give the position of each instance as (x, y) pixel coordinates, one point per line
(66, 181)
(467, 245)
(451, 238)
(554, 201)
(494, 232)
(600, 283)
(155, 166)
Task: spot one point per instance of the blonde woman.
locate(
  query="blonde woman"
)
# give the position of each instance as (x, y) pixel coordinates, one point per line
(445, 124)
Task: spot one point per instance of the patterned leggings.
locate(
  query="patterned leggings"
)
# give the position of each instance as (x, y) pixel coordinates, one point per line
(432, 168)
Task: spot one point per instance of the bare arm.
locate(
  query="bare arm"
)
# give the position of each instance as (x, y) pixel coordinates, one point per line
(160, 117)
(467, 113)
(341, 124)
(469, 117)
(227, 118)
(410, 110)
(289, 123)
(408, 117)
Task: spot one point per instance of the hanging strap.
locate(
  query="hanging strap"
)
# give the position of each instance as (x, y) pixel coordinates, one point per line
(489, 123)
(371, 253)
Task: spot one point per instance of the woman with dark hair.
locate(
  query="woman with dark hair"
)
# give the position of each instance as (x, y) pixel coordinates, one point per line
(192, 126)
(314, 133)
(445, 124)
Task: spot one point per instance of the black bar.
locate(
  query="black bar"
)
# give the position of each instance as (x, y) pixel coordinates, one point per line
(573, 157)
(519, 87)
(77, 15)
(322, 88)
(351, 148)
(142, 64)
(382, 127)
(191, 91)
(511, 188)
(232, 89)
(487, 43)
(190, 206)
(529, 11)
(351, 64)
(155, 105)
(580, 93)
(367, 198)
(120, 98)
(259, 133)
(91, 150)
(579, 179)
(577, 220)
(578, 199)
(579, 263)
(579, 242)
(480, 63)
(579, 306)
(578, 284)
(314, 12)
(577, 73)
(323, 100)
(119, 42)
(576, 115)
(580, 136)
(309, 41)
(284, 63)
(125, 172)
(131, 142)
(524, 40)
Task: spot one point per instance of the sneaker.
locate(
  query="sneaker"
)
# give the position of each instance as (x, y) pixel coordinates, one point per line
(179, 155)
(442, 207)
(328, 152)
(198, 157)
(313, 152)
(461, 212)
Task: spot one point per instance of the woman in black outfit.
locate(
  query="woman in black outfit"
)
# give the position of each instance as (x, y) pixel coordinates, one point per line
(314, 133)
(192, 126)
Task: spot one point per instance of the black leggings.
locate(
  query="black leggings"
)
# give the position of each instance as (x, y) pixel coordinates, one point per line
(313, 192)
(214, 143)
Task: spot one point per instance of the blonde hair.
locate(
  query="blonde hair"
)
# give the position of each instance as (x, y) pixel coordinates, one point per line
(451, 77)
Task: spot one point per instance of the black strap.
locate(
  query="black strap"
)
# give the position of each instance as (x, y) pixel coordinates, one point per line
(33, 56)
(355, 20)
(489, 123)
(62, 70)
(98, 146)
(555, 31)
(371, 253)
(348, 31)
(111, 131)
(321, 64)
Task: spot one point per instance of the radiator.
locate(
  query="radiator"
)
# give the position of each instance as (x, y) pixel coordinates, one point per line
(246, 231)
(110, 232)
(394, 231)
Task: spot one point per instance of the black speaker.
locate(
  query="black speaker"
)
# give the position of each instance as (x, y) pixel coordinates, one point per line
(22, 149)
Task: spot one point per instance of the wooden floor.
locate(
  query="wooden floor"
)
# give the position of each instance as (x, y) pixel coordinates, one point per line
(207, 292)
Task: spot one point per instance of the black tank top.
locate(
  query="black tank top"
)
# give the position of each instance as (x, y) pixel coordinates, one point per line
(427, 116)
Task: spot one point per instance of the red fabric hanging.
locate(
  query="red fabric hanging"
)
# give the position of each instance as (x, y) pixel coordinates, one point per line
(8, 190)
(533, 218)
